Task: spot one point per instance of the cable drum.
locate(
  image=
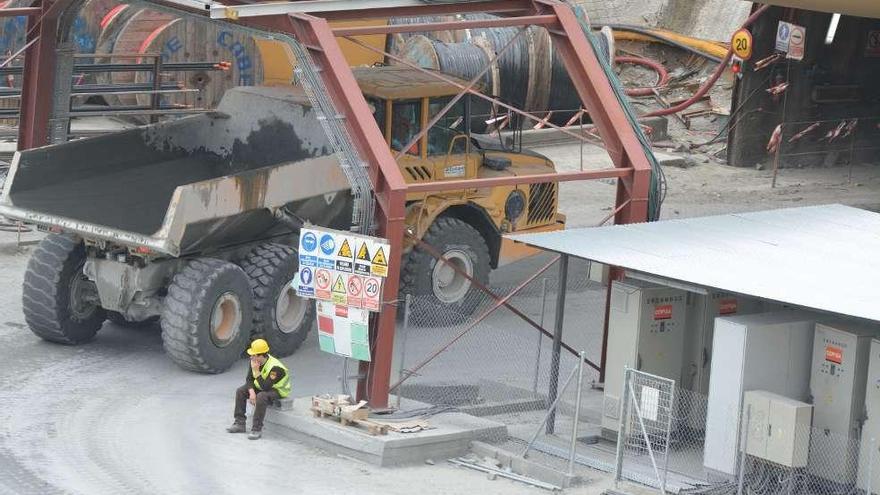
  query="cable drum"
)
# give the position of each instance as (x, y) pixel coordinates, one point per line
(462, 60)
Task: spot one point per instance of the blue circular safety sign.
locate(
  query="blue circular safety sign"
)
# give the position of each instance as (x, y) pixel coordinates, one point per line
(309, 241)
(305, 276)
(328, 245)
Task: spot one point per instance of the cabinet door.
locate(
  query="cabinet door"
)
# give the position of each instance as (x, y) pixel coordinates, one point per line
(757, 407)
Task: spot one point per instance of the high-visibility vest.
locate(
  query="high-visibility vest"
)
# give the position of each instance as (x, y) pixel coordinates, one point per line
(282, 385)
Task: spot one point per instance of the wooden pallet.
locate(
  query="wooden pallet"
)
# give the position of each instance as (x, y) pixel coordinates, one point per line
(372, 427)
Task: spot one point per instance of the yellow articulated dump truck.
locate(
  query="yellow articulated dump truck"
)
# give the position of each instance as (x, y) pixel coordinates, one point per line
(194, 221)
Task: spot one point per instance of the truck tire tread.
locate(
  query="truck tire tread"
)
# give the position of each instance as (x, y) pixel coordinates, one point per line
(44, 299)
(184, 310)
(268, 267)
(415, 276)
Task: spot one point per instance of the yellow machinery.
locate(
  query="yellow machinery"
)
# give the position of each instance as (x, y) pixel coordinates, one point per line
(466, 226)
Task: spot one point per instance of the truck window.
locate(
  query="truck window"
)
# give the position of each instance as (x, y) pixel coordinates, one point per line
(449, 126)
(405, 125)
(377, 106)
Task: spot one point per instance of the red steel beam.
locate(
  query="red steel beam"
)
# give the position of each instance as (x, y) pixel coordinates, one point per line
(501, 7)
(601, 103)
(536, 20)
(455, 185)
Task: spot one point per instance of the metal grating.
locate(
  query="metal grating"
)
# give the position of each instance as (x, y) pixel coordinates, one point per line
(542, 202)
(419, 172)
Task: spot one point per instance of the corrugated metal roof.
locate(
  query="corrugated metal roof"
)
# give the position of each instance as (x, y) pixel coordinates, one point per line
(821, 257)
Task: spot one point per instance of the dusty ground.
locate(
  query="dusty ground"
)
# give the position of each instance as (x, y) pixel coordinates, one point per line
(116, 416)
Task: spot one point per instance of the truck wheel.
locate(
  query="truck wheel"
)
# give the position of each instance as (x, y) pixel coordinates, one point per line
(206, 316)
(280, 316)
(60, 303)
(119, 319)
(434, 282)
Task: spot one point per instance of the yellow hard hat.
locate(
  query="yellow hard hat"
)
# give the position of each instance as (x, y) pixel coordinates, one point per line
(258, 346)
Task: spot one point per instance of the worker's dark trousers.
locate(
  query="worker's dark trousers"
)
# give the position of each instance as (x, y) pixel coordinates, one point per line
(263, 401)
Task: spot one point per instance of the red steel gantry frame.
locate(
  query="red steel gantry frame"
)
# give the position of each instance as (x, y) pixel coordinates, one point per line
(310, 28)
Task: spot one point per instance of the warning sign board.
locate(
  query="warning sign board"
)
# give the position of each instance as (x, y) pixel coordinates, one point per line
(355, 291)
(322, 284)
(797, 42)
(783, 36)
(791, 39)
(379, 263)
(341, 268)
(362, 258)
(305, 282)
(872, 48)
(340, 289)
(345, 256)
(372, 293)
(742, 44)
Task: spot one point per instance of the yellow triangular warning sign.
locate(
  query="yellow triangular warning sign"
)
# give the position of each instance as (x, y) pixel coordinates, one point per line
(345, 250)
(363, 252)
(379, 257)
(339, 285)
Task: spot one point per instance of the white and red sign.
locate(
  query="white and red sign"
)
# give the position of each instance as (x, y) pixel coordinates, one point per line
(355, 291)
(322, 283)
(372, 293)
(727, 307)
(663, 312)
(833, 354)
(797, 42)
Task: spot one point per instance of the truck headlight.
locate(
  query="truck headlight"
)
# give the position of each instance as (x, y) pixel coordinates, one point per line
(515, 205)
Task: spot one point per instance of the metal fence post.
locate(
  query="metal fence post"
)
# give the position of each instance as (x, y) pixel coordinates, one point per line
(577, 414)
(623, 422)
(402, 341)
(873, 447)
(540, 336)
(669, 420)
(557, 338)
(743, 446)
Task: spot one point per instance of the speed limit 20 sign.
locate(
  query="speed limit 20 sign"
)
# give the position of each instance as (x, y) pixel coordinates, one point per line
(742, 44)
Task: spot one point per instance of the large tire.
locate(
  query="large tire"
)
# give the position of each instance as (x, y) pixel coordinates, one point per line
(59, 302)
(280, 316)
(120, 319)
(207, 315)
(435, 286)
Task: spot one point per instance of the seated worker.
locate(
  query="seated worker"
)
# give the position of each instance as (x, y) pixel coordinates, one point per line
(267, 380)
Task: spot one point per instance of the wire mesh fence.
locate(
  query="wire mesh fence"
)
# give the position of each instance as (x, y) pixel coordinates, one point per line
(487, 361)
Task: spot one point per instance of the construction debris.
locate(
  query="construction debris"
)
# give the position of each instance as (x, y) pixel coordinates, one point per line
(494, 471)
(341, 408)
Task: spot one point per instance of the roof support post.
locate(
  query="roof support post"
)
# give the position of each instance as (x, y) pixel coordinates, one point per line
(557, 340)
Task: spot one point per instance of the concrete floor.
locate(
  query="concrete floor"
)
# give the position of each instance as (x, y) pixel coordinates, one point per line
(117, 416)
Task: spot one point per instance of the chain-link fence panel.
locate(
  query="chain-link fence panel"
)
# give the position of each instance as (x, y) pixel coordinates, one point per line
(645, 431)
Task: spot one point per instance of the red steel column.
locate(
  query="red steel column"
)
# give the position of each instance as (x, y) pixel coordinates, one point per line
(37, 82)
(601, 103)
(389, 187)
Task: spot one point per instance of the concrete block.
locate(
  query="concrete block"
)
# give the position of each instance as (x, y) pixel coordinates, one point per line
(285, 404)
(450, 436)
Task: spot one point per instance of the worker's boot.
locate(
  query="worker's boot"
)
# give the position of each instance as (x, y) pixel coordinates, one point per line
(237, 428)
(255, 435)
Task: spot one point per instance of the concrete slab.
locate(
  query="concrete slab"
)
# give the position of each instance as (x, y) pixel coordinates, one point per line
(450, 436)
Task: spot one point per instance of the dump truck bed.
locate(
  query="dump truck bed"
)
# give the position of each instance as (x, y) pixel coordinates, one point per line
(189, 185)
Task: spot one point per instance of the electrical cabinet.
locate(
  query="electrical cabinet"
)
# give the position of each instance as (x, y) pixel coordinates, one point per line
(702, 310)
(837, 383)
(777, 428)
(870, 444)
(767, 351)
(646, 326)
